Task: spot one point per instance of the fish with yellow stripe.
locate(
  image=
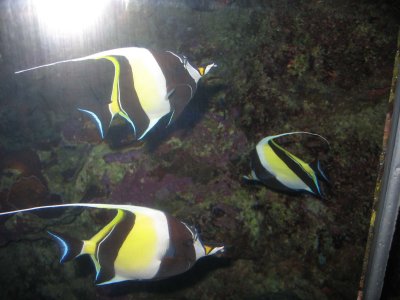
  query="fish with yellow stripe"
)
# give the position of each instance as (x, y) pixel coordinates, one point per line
(139, 243)
(147, 86)
(281, 170)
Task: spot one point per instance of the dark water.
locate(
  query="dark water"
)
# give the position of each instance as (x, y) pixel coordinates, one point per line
(320, 66)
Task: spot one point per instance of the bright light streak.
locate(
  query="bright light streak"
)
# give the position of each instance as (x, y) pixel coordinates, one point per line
(69, 16)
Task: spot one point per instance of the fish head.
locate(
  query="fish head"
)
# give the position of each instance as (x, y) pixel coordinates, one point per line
(202, 249)
(204, 70)
(214, 249)
(197, 73)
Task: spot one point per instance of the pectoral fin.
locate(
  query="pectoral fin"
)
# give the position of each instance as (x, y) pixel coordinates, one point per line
(179, 97)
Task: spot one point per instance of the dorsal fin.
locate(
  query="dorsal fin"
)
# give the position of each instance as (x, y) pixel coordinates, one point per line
(271, 137)
(130, 208)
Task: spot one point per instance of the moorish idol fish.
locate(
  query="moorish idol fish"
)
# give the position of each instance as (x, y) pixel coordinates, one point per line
(147, 86)
(280, 170)
(140, 243)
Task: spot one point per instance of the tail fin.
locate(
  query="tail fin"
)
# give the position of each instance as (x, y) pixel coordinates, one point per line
(96, 119)
(70, 247)
(316, 166)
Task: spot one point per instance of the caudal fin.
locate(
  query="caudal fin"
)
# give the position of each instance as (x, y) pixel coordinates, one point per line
(96, 120)
(70, 247)
(316, 166)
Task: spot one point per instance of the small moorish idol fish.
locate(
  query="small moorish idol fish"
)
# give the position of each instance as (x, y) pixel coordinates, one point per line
(280, 170)
(147, 85)
(140, 243)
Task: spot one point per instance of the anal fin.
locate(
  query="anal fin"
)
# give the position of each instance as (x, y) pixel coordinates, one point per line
(104, 276)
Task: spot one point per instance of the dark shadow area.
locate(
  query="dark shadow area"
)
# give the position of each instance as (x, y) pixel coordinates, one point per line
(200, 270)
(391, 284)
(192, 114)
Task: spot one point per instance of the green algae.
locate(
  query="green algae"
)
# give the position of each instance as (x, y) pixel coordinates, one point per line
(8, 179)
(95, 168)
(250, 218)
(84, 170)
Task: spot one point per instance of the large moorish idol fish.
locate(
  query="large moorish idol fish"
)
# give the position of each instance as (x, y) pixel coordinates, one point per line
(280, 170)
(140, 243)
(147, 85)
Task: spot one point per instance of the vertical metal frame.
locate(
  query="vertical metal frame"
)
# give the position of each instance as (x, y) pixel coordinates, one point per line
(388, 208)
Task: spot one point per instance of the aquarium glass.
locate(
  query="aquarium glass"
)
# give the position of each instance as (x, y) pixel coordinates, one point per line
(257, 126)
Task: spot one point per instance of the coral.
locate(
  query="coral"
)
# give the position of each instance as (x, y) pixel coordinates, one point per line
(22, 182)
(26, 162)
(27, 192)
(76, 131)
(141, 188)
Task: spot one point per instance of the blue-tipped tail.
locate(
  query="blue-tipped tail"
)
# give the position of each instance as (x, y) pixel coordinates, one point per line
(316, 166)
(96, 119)
(70, 247)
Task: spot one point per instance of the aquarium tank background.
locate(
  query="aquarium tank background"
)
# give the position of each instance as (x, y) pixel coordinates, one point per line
(323, 67)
